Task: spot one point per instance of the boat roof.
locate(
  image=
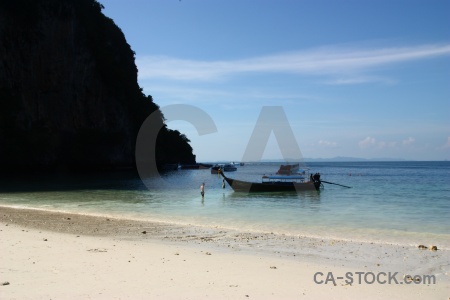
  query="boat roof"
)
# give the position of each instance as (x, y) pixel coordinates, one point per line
(284, 177)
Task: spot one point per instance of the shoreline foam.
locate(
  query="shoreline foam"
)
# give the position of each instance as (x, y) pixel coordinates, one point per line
(377, 236)
(322, 249)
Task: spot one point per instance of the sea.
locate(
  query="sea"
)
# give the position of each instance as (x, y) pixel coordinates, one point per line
(406, 203)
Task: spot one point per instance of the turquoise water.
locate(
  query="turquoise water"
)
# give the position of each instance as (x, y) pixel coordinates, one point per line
(392, 202)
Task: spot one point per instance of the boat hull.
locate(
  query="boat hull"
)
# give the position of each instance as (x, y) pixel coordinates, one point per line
(252, 187)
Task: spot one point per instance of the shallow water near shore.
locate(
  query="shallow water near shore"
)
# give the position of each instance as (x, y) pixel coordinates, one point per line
(389, 202)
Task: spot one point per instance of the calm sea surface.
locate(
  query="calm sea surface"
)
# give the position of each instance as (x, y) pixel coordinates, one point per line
(392, 202)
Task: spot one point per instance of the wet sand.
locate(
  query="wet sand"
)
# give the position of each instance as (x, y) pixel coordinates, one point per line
(70, 256)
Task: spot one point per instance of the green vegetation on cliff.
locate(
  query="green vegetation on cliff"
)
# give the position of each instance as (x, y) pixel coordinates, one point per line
(69, 96)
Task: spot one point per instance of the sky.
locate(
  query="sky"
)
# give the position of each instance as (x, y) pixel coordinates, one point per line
(352, 78)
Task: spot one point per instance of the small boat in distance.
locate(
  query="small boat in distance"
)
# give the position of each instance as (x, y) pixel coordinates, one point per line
(276, 183)
(229, 168)
(215, 169)
(224, 167)
(288, 169)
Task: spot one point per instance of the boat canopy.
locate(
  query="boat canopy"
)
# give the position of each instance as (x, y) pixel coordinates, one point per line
(283, 177)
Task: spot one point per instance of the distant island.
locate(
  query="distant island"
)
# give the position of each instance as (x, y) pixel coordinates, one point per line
(69, 94)
(334, 159)
(345, 159)
(350, 159)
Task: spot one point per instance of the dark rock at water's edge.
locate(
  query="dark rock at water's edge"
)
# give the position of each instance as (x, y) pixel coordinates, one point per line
(69, 97)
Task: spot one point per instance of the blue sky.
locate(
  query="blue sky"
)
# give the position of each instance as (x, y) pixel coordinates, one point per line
(368, 79)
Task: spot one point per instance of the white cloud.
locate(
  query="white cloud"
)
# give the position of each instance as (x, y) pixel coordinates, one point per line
(359, 79)
(345, 63)
(447, 145)
(367, 142)
(408, 141)
(382, 144)
(372, 142)
(327, 143)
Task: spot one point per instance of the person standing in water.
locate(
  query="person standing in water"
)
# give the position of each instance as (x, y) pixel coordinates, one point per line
(202, 189)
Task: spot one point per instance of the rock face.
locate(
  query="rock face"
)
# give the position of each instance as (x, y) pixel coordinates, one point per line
(69, 95)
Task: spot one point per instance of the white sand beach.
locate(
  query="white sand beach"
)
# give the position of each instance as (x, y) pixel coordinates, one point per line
(48, 255)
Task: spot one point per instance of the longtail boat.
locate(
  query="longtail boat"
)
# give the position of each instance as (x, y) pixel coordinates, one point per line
(276, 183)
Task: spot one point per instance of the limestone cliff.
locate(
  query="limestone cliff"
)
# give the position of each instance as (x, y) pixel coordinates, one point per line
(69, 96)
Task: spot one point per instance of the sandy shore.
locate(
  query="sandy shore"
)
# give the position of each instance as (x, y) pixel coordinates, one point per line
(53, 255)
